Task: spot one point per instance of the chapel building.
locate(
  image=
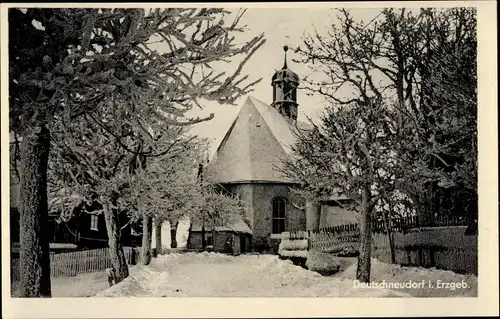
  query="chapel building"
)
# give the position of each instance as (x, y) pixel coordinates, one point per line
(249, 160)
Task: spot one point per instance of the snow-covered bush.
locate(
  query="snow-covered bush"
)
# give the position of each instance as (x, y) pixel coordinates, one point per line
(327, 264)
(343, 250)
(260, 244)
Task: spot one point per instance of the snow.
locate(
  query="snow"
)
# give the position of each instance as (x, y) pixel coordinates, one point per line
(237, 225)
(165, 236)
(293, 248)
(396, 273)
(298, 244)
(218, 275)
(62, 246)
(294, 253)
(84, 285)
(182, 232)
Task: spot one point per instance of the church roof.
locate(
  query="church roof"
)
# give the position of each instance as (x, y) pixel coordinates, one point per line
(255, 145)
(285, 75)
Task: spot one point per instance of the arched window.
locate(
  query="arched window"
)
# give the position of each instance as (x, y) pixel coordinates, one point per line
(279, 214)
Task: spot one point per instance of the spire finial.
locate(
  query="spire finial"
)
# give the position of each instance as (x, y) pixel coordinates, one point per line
(285, 48)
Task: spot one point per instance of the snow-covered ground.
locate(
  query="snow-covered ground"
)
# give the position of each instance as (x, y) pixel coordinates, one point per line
(83, 285)
(218, 275)
(443, 283)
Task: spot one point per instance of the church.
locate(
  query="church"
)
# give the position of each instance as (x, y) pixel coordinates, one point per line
(248, 160)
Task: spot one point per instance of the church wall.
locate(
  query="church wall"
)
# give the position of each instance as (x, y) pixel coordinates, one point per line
(262, 204)
(257, 198)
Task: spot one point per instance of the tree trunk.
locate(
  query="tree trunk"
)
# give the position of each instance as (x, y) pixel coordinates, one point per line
(158, 237)
(203, 239)
(313, 215)
(213, 236)
(173, 233)
(34, 234)
(147, 228)
(365, 239)
(390, 237)
(116, 253)
(188, 244)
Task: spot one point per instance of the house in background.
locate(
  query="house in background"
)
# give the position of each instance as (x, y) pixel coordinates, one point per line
(82, 231)
(238, 233)
(88, 230)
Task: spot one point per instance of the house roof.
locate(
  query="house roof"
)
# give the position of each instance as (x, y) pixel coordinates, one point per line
(255, 145)
(334, 216)
(238, 226)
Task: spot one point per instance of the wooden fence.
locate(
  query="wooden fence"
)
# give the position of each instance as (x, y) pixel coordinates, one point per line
(78, 262)
(443, 245)
(403, 224)
(336, 242)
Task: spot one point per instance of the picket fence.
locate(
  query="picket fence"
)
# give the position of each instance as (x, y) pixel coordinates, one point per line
(429, 246)
(78, 262)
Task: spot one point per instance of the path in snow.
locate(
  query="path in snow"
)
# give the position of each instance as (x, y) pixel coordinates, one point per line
(217, 275)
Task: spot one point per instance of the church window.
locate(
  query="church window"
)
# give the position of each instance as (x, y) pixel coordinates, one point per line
(286, 90)
(94, 220)
(279, 212)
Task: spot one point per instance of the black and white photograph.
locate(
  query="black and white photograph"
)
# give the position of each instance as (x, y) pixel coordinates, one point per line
(229, 150)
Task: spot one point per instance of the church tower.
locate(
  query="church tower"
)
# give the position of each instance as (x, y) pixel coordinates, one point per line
(285, 83)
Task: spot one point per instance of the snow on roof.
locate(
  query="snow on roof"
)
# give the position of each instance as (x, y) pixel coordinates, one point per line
(62, 246)
(254, 147)
(336, 215)
(238, 226)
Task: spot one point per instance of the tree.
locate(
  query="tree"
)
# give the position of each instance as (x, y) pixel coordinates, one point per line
(410, 60)
(66, 63)
(390, 115)
(215, 208)
(164, 189)
(88, 168)
(347, 153)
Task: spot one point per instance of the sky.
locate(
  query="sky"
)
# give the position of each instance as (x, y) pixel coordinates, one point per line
(280, 26)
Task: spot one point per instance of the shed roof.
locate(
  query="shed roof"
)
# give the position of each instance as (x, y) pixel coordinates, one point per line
(238, 226)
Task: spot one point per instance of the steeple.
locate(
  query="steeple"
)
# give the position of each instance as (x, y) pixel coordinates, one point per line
(285, 83)
(285, 48)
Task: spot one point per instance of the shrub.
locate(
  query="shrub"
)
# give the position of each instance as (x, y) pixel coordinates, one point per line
(260, 244)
